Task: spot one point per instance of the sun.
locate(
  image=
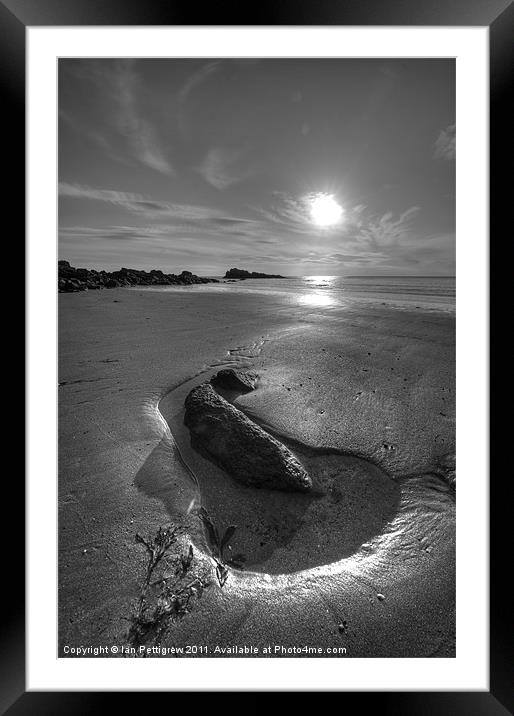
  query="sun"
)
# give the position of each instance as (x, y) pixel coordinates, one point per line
(325, 211)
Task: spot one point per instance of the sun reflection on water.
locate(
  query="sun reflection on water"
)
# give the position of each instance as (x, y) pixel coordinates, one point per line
(319, 297)
(320, 281)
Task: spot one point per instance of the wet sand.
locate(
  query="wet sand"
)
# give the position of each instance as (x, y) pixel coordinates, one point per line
(363, 394)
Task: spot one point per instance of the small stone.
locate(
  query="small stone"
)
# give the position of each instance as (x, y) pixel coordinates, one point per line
(234, 379)
(380, 597)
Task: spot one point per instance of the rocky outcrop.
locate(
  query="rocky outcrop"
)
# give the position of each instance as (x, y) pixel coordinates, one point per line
(242, 381)
(241, 274)
(81, 279)
(239, 446)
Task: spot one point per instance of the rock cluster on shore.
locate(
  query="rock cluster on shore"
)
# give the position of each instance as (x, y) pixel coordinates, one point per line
(242, 274)
(246, 451)
(81, 279)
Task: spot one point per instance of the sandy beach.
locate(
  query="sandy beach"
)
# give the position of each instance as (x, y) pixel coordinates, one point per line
(363, 395)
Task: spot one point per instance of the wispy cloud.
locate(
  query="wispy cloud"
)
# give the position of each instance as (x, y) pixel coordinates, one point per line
(80, 191)
(150, 209)
(125, 134)
(290, 211)
(384, 241)
(193, 82)
(358, 223)
(140, 134)
(221, 167)
(383, 231)
(444, 146)
(97, 137)
(362, 239)
(113, 232)
(196, 79)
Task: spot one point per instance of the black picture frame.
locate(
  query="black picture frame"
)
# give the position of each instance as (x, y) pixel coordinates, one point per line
(498, 15)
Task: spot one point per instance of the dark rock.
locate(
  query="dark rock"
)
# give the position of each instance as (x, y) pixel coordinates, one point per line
(69, 285)
(234, 379)
(64, 285)
(89, 278)
(242, 448)
(242, 274)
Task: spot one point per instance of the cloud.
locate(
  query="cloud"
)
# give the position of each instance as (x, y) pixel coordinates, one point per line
(152, 210)
(99, 138)
(193, 82)
(362, 238)
(136, 203)
(139, 133)
(125, 233)
(444, 146)
(201, 75)
(386, 241)
(221, 168)
(358, 224)
(384, 230)
(79, 191)
(121, 87)
(291, 212)
(201, 234)
(197, 79)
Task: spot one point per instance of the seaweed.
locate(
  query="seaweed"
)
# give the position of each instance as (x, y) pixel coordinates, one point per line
(169, 587)
(218, 544)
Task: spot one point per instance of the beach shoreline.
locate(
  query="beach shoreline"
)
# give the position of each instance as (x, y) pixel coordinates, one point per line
(372, 381)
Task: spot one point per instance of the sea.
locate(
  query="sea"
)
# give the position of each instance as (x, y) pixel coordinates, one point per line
(433, 293)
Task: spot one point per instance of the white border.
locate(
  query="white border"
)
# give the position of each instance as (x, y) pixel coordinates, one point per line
(469, 670)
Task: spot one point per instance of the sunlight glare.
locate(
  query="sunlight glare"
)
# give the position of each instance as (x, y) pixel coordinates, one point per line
(325, 211)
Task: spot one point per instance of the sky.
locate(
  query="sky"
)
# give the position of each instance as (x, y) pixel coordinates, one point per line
(209, 164)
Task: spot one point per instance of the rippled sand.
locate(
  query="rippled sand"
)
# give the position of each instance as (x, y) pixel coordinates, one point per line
(364, 396)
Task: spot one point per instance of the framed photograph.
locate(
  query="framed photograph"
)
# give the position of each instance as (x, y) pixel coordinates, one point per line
(258, 328)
